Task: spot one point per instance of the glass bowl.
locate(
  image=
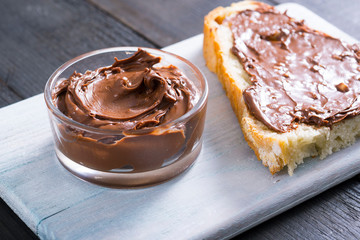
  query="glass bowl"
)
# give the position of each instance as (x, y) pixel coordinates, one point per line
(131, 158)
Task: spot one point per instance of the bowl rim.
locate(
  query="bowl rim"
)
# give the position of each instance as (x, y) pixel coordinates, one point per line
(55, 111)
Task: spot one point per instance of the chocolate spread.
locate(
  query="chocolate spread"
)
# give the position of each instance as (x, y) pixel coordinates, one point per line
(130, 98)
(298, 75)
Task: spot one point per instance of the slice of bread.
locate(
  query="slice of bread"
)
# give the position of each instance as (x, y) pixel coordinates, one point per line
(275, 149)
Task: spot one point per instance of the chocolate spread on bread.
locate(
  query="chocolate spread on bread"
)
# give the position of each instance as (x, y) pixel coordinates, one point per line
(132, 94)
(298, 75)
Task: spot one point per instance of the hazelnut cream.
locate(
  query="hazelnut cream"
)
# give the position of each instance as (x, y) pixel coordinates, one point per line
(297, 74)
(131, 97)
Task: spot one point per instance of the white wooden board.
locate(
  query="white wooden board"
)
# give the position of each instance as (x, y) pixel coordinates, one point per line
(225, 192)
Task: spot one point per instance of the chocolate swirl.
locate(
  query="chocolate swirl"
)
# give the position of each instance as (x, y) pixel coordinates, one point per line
(130, 94)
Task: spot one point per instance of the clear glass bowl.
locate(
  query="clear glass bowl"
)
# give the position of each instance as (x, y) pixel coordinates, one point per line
(124, 161)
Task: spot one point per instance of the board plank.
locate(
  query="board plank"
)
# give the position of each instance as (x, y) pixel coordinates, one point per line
(7, 95)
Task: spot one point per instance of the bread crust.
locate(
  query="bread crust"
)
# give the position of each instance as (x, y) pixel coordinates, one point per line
(276, 150)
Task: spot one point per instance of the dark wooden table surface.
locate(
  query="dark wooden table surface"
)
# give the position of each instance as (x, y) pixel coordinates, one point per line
(37, 36)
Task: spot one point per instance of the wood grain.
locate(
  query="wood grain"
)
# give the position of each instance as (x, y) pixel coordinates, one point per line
(163, 22)
(7, 95)
(38, 36)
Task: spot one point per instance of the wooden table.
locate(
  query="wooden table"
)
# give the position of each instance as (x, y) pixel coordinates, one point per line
(38, 36)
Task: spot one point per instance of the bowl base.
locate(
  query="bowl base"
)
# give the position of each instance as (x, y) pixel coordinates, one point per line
(129, 180)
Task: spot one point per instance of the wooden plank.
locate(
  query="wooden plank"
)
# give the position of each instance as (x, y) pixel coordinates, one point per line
(7, 95)
(11, 226)
(162, 22)
(38, 36)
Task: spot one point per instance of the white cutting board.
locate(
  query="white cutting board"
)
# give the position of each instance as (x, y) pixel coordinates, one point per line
(225, 192)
